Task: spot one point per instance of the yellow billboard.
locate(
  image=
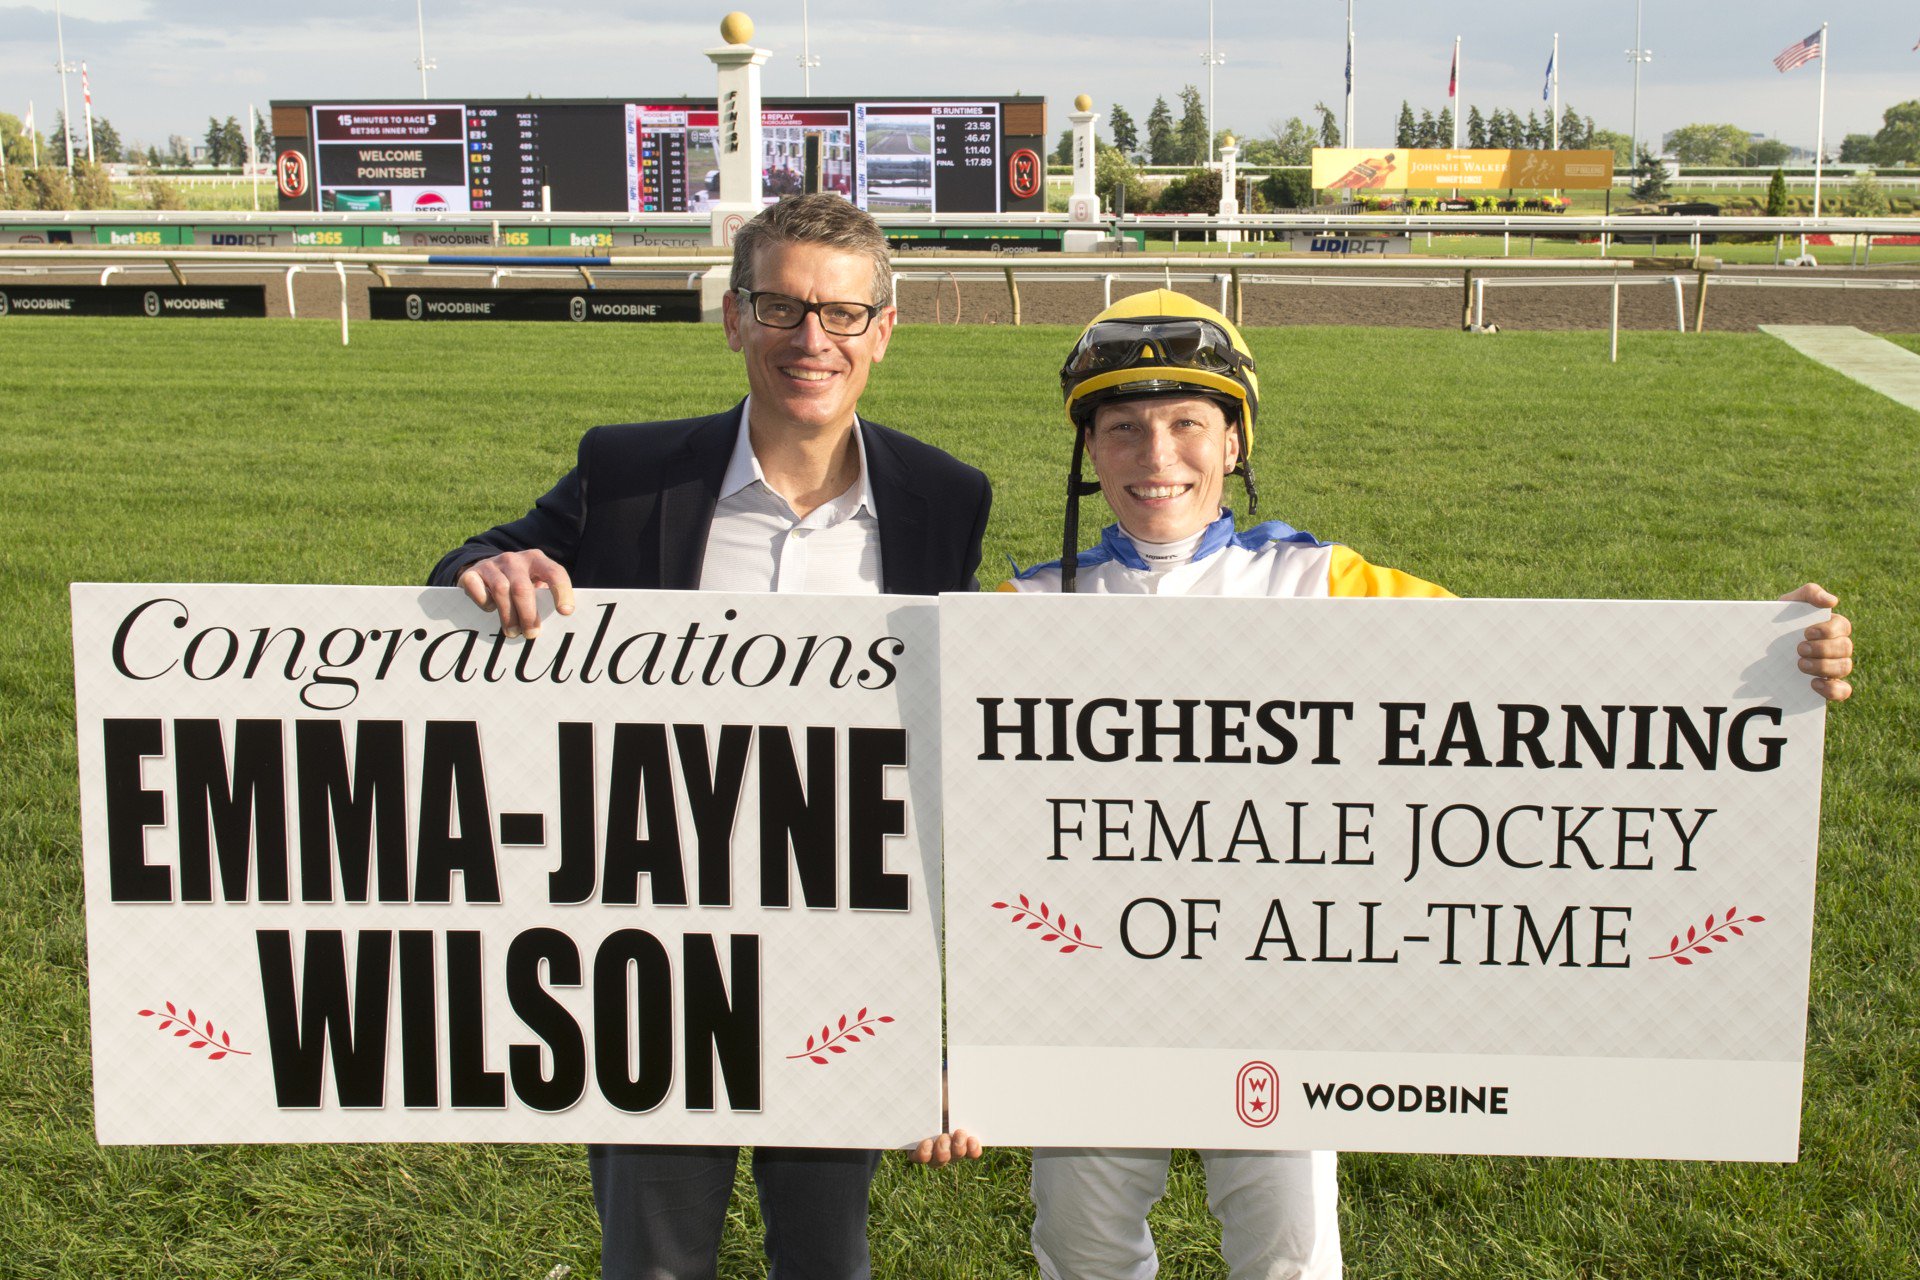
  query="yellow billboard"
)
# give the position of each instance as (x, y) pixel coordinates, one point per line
(1404, 169)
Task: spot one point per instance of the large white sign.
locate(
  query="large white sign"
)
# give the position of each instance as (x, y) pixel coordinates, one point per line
(1524, 877)
(361, 869)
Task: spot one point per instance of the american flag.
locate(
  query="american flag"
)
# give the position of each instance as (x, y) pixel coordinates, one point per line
(1798, 52)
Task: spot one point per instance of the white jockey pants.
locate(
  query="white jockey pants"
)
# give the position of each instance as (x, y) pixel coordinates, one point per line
(1278, 1212)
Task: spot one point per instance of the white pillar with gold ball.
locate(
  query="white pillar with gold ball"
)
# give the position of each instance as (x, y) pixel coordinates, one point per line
(737, 141)
(1229, 188)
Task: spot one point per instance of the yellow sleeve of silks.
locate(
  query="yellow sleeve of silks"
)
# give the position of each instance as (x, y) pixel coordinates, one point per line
(1008, 586)
(1350, 575)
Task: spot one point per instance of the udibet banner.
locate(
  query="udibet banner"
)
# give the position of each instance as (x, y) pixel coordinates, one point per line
(360, 868)
(1426, 169)
(1512, 877)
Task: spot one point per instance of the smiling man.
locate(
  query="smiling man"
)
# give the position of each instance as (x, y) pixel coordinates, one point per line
(788, 491)
(1162, 394)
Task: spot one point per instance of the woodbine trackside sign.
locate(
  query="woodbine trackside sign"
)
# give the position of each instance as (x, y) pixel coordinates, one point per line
(360, 869)
(1526, 877)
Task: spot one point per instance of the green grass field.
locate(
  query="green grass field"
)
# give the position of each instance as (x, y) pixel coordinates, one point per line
(1718, 466)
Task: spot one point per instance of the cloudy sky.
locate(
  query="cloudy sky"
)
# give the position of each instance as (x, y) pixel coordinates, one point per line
(163, 66)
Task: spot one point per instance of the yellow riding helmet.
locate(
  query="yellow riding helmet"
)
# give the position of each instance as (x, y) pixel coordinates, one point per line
(1161, 343)
(1156, 343)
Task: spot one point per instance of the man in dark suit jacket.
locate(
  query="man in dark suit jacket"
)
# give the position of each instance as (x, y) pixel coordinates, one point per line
(788, 491)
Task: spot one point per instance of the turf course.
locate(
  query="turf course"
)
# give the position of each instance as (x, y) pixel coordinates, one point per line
(1714, 466)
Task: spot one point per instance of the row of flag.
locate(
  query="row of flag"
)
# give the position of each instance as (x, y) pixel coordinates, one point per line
(1796, 54)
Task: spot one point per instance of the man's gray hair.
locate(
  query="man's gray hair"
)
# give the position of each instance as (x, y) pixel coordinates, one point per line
(821, 218)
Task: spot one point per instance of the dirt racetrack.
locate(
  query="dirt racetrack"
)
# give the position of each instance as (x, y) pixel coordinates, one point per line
(1409, 298)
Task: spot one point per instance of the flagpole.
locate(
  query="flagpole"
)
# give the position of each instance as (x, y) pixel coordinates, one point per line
(253, 156)
(1456, 93)
(1554, 58)
(63, 67)
(33, 133)
(1347, 128)
(1820, 127)
(86, 96)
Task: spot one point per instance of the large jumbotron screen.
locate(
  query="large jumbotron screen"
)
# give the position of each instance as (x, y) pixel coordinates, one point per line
(653, 155)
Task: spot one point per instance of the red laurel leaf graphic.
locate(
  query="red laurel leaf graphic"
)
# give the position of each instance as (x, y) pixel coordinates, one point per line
(1069, 947)
(886, 1018)
(190, 1017)
(834, 1048)
(851, 1028)
(209, 1030)
(817, 1058)
(809, 1042)
(170, 1008)
(146, 1013)
(1076, 931)
(1052, 925)
(181, 1032)
(1018, 916)
(1698, 937)
(1049, 937)
(852, 1039)
(215, 1057)
(999, 906)
(1043, 908)
(1024, 902)
(843, 1022)
(164, 1024)
(1034, 925)
(860, 1016)
(196, 1044)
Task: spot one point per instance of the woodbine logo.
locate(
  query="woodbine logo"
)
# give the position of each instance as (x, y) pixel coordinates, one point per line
(1428, 1099)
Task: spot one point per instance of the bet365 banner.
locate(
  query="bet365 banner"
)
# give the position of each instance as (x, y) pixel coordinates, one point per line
(359, 868)
(1514, 877)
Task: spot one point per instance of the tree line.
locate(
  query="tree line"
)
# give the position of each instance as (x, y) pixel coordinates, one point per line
(225, 142)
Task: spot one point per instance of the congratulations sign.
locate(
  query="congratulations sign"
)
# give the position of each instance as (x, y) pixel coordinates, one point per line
(1524, 877)
(360, 868)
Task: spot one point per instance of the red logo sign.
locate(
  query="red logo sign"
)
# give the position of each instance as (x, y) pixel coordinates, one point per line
(291, 172)
(1024, 174)
(1256, 1095)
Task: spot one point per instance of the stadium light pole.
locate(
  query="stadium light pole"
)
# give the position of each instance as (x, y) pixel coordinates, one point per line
(64, 68)
(425, 63)
(1212, 59)
(807, 61)
(1637, 55)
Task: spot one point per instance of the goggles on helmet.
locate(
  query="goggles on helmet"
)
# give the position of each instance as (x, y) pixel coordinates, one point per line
(1171, 342)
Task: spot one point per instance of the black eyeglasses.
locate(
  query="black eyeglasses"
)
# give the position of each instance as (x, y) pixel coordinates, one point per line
(1121, 344)
(778, 311)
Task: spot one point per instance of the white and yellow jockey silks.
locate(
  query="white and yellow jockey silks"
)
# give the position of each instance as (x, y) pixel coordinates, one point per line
(1271, 559)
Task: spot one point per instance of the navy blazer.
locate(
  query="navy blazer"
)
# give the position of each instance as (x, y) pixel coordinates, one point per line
(635, 510)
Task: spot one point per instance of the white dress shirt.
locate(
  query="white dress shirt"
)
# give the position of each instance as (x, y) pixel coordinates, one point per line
(757, 543)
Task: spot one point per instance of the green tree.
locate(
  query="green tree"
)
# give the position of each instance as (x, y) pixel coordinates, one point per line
(92, 189)
(1866, 198)
(13, 189)
(1573, 133)
(1190, 135)
(1292, 189)
(1330, 134)
(1255, 151)
(1855, 148)
(263, 139)
(48, 188)
(1063, 154)
(1777, 194)
(1293, 142)
(1898, 141)
(1476, 128)
(1443, 128)
(18, 148)
(1618, 143)
(216, 142)
(179, 153)
(1767, 151)
(1708, 144)
(106, 142)
(1427, 133)
(1194, 192)
(1160, 133)
(1405, 131)
(1651, 177)
(1126, 136)
(1114, 172)
(1536, 133)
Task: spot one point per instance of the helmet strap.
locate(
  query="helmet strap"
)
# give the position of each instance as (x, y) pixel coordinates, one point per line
(1070, 534)
(1246, 475)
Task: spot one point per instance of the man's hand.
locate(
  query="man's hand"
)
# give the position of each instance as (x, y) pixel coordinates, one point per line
(939, 1149)
(1826, 651)
(507, 584)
